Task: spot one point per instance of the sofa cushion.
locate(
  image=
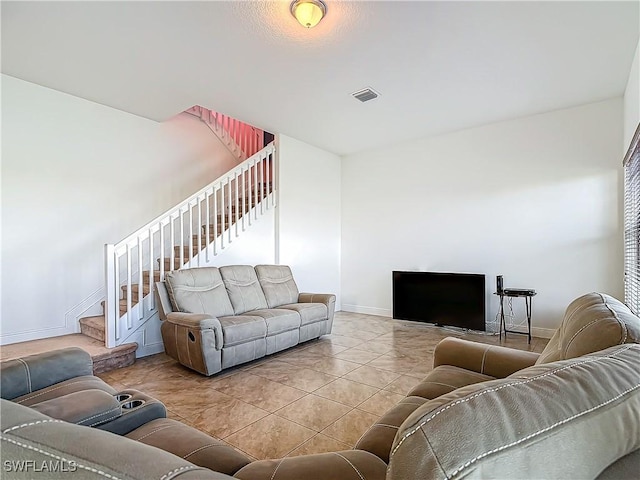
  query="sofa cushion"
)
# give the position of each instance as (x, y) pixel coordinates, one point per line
(20, 377)
(345, 465)
(238, 329)
(278, 320)
(198, 290)
(309, 312)
(243, 288)
(77, 384)
(591, 323)
(445, 379)
(277, 284)
(190, 444)
(541, 422)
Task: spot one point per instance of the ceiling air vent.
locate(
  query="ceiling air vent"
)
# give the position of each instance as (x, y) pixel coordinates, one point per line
(365, 94)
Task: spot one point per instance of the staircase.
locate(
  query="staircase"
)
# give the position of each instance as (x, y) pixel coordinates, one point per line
(190, 234)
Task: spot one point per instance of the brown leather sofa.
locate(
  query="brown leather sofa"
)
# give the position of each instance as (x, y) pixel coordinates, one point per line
(571, 412)
(591, 323)
(216, 318)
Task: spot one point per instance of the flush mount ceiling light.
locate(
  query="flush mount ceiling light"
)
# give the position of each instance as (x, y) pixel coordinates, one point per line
(308, 12)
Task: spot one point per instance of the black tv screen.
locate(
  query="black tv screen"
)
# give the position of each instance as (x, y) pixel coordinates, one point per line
(453, 299)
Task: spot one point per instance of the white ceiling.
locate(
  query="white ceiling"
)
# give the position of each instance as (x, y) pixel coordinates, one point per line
(439, 66)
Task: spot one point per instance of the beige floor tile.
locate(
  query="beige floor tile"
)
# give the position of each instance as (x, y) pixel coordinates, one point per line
(270, 437)
(258, 391)
(326, 349)
(351, 427)
(357, 356)
(380, 402)
(402, 385)
(297, 377)
(224, 418)
(138, 374)
(314, 412)
(372, 376)
(376, 346)
(342, 340)
(346, 392)
(319, 444)
(329, 365)
(393, 363)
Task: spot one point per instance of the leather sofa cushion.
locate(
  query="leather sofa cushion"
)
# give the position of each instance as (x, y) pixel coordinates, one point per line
(83, 452)
(190, 444)
(24, 376)
(345, 465)
(87, 407)
(445, 379)
(591, 323)
(309, 312)
(238, 329)
(77, 384)
(378, 439)
(277, 284)
(198, 290)
(278, 320)
(243, 288)
(537, 423)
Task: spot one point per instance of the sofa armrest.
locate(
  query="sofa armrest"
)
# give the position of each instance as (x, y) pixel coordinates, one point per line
(35, 372)
(326, 298)
(492, 360)
(198, 321)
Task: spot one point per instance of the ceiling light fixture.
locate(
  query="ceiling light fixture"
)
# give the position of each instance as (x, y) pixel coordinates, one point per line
(308, 12)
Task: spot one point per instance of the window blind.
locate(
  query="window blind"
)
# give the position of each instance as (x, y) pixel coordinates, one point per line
(632, 224)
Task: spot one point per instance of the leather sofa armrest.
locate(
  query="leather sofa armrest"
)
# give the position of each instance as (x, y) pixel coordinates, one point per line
(35, 372)
(493, 360)
(345, 465)
(87, 407)
(198, 321)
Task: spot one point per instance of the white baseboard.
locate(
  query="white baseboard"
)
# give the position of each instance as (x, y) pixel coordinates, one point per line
(381, 312)
(385, 312)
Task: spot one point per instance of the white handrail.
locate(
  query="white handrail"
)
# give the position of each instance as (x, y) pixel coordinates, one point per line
(242, 139)
(228, 199)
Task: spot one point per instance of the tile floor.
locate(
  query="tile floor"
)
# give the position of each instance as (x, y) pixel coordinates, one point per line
(317, 397)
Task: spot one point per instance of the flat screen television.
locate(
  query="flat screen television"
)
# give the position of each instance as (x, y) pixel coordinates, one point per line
(453, 299)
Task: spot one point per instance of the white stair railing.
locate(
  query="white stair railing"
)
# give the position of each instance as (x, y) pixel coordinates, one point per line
(187, 235)
(242, 139)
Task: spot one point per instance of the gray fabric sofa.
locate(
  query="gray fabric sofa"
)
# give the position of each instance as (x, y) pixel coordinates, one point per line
(216, 318)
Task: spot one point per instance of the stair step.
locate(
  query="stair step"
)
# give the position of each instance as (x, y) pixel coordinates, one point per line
(156, 276)
(123, 305)
(104, 359)
(176, 263)
(135, 288)
(93, 327)
(186, 250)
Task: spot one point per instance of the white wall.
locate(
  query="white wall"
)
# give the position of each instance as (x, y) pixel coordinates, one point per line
(254, 246)
(632, 101)
(77, 175)
(537, 199)
(308, 217)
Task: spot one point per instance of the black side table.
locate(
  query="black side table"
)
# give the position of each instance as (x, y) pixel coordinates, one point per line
(513, 293)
